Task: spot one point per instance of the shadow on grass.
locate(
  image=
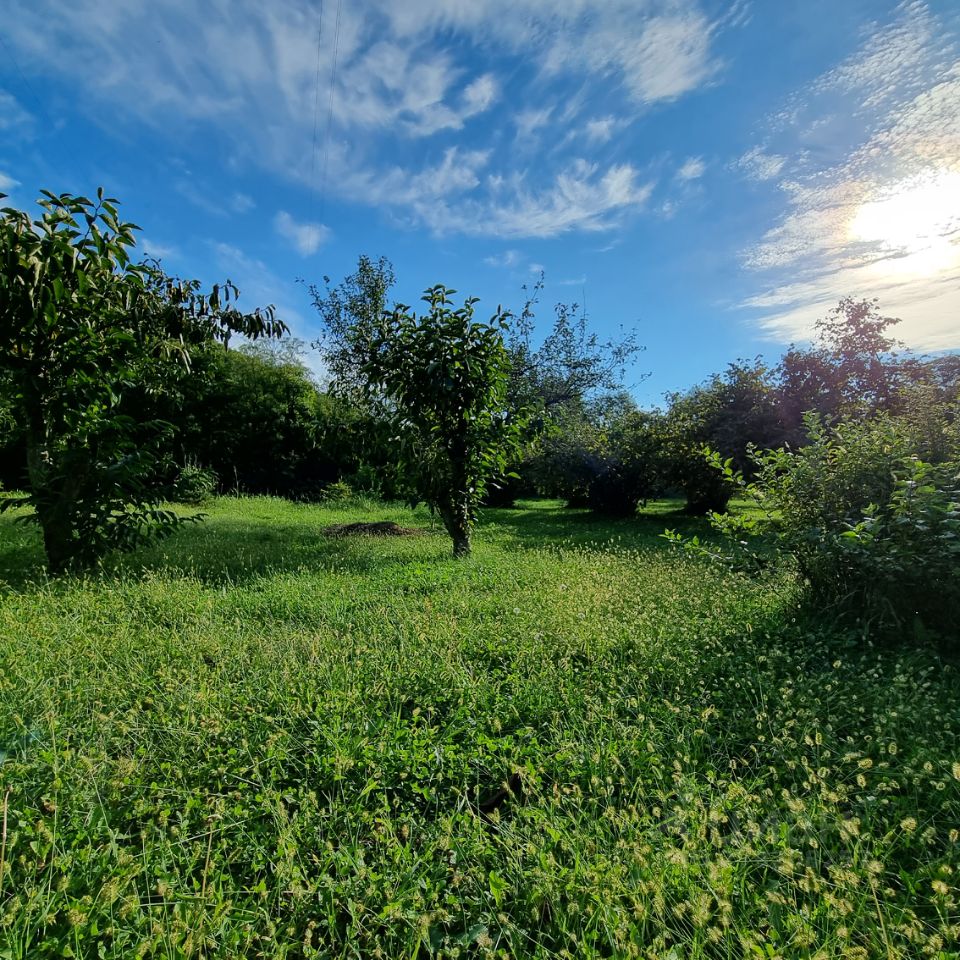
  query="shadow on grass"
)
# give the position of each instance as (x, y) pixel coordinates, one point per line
(227, 549)
(541, 523)
(239, 547)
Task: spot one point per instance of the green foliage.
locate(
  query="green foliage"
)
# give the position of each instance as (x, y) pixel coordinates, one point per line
(339, 492)
(570, 368)
(195, 484)
(729, 413)
(873, 530)
(627, 465)
(905, 553)
(81, 328)
(258, 740)
(564, 463)
(350, 314)
(257, 417)
(441, 377)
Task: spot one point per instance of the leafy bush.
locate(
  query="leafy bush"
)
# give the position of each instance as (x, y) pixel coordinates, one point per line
(905, 554)
(728, 413)
(339, 492)
(195, 484)
(873, 530)
(627, 466)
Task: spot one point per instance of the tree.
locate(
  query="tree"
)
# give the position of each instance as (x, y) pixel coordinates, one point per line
(257, 418)
(571, 367)
(728, 414)
(442, 379)
(850, 371)
(351, 315)
(82, 328)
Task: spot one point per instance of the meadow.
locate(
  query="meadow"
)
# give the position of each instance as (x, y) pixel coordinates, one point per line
(256, 740)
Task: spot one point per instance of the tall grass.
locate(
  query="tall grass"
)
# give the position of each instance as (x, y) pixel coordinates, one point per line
(254, 740)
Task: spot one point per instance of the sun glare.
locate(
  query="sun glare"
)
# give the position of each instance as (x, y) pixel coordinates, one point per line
(916, 222)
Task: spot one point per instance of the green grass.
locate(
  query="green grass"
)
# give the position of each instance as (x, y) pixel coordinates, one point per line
(254, 740)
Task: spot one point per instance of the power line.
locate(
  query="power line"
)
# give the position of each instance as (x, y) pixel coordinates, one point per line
(326, 139)
(32, 94)
(316, 98)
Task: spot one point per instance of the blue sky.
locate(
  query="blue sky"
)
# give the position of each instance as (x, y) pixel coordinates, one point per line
(715, 175)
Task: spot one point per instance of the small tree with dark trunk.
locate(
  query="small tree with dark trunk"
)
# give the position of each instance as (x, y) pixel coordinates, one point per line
(82, 329)
(442, 379)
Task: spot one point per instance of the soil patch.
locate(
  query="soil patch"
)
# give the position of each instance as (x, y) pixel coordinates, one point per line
(384, 528)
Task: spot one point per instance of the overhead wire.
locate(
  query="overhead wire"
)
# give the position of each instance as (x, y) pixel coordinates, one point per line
(326, 138)
(316, 98)
(51, 126)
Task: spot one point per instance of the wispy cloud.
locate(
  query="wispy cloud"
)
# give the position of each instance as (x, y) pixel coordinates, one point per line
(758, 165)
(692, 169)
(252, 75)
(582, 197)
(601, 129)
(306, 238)
(7, 182)
(12, 115)
(509, 258)
(158, 251)
(884, 219)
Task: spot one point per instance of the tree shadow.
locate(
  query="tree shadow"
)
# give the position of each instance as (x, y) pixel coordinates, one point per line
(532, 524)
(228, 550)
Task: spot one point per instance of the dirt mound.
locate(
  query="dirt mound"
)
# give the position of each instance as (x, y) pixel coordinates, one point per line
(383, 528)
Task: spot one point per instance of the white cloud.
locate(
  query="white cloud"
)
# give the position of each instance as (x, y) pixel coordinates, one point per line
(601, 129)
(884, 220)
(581, 197)
(893, 62)
(530, 122)
(480, 95)
(509, 258)
(158, 251)
(7, 182)
(250, 76)
(693, 168)
(307, 238)
(758, 165)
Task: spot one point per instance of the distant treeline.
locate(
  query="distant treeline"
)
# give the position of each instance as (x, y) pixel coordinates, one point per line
(258, 420)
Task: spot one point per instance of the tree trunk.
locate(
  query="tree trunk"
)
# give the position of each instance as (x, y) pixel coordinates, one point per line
(457, 524)
(48, 504)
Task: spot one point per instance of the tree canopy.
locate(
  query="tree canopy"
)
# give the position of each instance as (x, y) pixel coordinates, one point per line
(83, 326)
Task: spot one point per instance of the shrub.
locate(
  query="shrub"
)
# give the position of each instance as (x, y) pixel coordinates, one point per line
(728, 413)
(195, 484)
(338, 492)
(873, 530)
(627, 466)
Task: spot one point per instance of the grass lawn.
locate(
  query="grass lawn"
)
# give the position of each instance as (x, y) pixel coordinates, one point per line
(256, 740)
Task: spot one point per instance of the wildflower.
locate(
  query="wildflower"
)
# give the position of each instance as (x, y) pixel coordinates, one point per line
(908, 824)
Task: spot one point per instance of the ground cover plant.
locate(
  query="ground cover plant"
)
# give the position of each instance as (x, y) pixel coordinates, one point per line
(258, 740)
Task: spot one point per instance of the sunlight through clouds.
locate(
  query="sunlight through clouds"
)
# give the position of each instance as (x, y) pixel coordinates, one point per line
(885, 220)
